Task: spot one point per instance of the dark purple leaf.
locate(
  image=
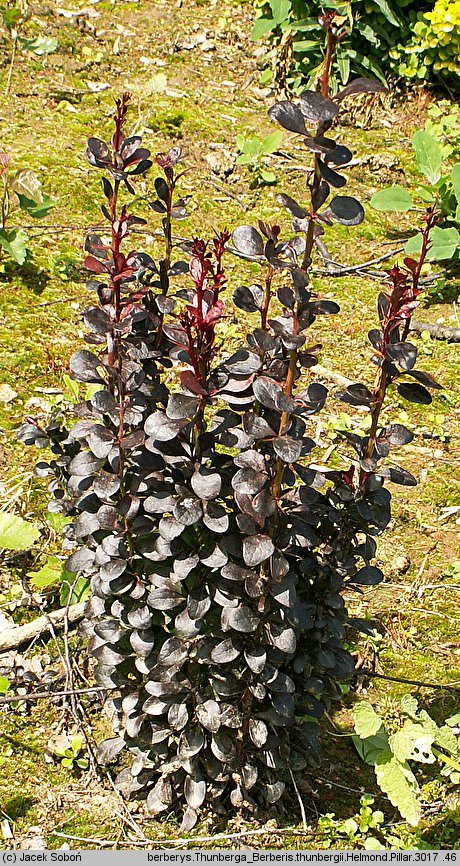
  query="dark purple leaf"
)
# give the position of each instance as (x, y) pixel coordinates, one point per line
(320, 194)
(161, 428)
(240, 618)
(225, 652)
(248, 241)
(341, 155)
(86, 367)
(291, 205)
(397, 434)
(288, 116)
(205, 483)
(317, 108)
(324, 308)
(356, 395)
(401, 476)
(257, 548)
(345, 210)
(181, 407)
(258, 732)
(330, 176)
(266, 391)
(108, 750)
(162, 189)
(405, 354)
(414, 392)
(383, 306)
(361, 85)
(249, 298)
(367, 576)
(97, 153)
(215, 517)
(425, 379)
(287, 449)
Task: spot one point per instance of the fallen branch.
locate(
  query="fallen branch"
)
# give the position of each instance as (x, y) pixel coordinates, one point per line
(439, 332)
(11, 638)
(330, 376)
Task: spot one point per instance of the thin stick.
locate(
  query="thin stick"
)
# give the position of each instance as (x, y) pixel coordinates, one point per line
(422, 685)
(227, 193)
(41, 696)
(353, 268)
(302, 807)
(13, 57)
(190, 840)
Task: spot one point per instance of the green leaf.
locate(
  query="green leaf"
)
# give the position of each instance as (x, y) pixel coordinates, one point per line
(272, 142)
(443, 243)
(80, 589)
(413, 742)
(453, 721)
(14, 243)
(36, 210)
(398, 782)
(393, 198)
(67, 762)
(428, 155)
(385, 7)
(16, 533)
(5, 685)
(414, 245)
(409, 704)
(41, 46)
(76, 743)
(455, 177)
(48, 574)
(267, 176)
(10, 17)
(343, 62)
(281, 10)
(262, 26)
(367, 722)
(304, 45)
(82, 763)
(57, 521)
(370, 748)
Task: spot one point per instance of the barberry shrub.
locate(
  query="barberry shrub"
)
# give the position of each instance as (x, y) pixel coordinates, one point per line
(218, 554)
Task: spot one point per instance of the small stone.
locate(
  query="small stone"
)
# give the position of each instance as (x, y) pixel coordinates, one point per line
(7, 393)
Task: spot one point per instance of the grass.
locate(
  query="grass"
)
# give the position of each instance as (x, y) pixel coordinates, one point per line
(45, 122)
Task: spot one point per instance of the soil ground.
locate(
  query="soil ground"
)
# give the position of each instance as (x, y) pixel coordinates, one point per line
(194, 76)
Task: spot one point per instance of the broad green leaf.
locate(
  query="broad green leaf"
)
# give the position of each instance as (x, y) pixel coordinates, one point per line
(400, 785)
(446, 739)
(243, 159)
(14, 242)
(262, 26)
(280, 10)
(455, 176)
(267, 176)
(16, 533)
(272, 142)
(343, 62)
(443, 243)
(5, 685)
(409, 704)
(67, 762)
(428, 155)
(36, 210)
(412, 742)
(393, 198)
(414, 244)
(48, 574)
(453, 721)
(370, 748)
(367, 722)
